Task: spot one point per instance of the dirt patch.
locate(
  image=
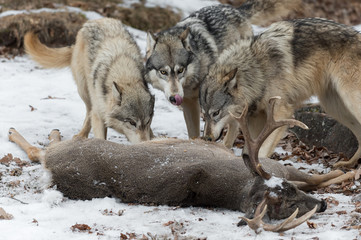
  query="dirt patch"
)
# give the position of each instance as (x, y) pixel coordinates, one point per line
(54, 29)
(60, 29)
(152, 19)
(138, 16)
(347, 12)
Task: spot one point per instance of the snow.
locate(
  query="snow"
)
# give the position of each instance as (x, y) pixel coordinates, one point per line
(274, 182)
(45, 214)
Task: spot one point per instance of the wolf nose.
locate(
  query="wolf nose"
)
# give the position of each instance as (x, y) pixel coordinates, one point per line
(172, 100)
(176, 100)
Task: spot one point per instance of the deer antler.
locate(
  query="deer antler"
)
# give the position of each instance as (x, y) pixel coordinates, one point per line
(252, 146)
(256, 223)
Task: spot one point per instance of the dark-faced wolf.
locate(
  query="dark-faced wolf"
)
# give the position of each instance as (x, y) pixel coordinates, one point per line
(178, 58)
(294, 60)
(108, 69)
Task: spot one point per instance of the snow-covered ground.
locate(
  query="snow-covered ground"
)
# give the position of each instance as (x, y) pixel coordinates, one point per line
(35, 101)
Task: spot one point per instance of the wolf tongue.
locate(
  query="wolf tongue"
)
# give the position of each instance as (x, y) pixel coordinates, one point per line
(178, 99)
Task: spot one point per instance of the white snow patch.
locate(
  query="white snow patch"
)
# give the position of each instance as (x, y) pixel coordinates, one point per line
(274, 182)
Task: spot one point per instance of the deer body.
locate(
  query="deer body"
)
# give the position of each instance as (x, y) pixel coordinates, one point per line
(171, 172)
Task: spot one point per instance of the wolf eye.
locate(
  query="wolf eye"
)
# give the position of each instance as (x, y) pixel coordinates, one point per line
(131, 122)
(215, 114)
(180, 70)
(163, 72)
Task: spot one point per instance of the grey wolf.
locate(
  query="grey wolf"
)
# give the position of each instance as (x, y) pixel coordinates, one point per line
(179, 57)
(108, 69)
(295, 60)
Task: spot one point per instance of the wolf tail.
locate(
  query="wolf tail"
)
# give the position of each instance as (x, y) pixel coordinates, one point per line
(45, 56)
(261, 12)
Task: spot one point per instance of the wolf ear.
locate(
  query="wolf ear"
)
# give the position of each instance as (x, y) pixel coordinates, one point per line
(151, 41)
(230, 80)
(184, 37)
(117, 92)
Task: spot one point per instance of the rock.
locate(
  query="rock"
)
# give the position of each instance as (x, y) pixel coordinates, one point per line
(324, 131)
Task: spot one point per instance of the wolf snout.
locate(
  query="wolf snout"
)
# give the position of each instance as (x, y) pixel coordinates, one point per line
(176, 99)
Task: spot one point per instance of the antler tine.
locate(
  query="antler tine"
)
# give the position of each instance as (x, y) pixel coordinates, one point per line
(252, 146)
(256, 223)
(272, 124)
(250, 156)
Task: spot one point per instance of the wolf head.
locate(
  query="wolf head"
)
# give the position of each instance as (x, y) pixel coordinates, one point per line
(217, 100)
(170, 65)
(131, 112)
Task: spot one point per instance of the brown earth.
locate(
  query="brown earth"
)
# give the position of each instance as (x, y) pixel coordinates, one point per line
(55, 29)
(347, 12)
(60, 29)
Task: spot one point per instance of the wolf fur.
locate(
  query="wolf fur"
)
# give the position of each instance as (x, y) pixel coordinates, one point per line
(295, 60)
(108, 69)
(178, 58)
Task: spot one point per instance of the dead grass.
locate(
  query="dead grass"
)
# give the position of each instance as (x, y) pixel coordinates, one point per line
(138, 16)
(55, 30)
(346, 12)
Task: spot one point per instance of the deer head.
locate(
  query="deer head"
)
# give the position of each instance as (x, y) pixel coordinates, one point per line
(280, 195)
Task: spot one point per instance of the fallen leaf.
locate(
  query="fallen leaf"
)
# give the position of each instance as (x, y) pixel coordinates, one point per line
(80, 227)
(311, 225)
(168, 223)
(32, 108)
(123, 236)
(341, 212)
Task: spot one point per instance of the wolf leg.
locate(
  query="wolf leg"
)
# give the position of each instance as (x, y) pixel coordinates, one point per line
(33, 153)
(341, 102)
(191, 112)
(99, 128)
(84, 132)
(232, 133)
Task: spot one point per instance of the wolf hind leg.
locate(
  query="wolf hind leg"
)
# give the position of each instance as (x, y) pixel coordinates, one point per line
(191, 112)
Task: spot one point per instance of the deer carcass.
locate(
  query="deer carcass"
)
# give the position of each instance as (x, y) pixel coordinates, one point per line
(178, 173)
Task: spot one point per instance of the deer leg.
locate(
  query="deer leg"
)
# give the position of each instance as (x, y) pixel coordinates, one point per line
(54, 137)
(311, 179)
(33, 153)
(337, 180)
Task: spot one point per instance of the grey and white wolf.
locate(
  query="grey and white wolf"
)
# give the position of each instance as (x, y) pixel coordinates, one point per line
(295, 60)
(108, 69)
(179, 57)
